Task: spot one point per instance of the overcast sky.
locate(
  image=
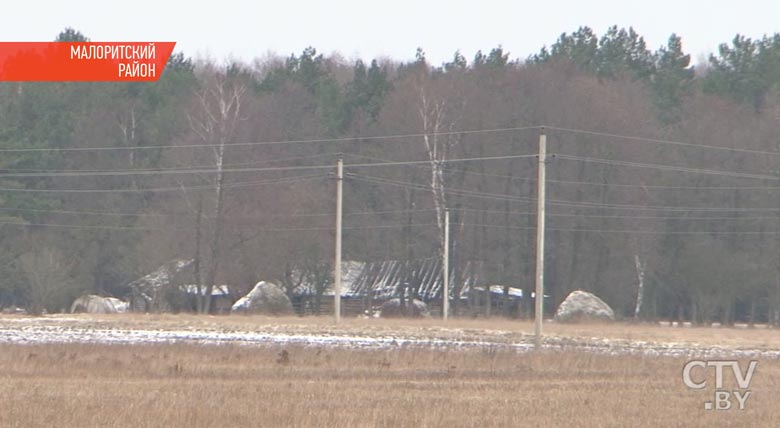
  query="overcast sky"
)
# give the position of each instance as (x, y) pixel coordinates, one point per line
(368, 29)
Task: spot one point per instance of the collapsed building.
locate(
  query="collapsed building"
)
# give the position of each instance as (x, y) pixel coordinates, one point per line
(366, 285)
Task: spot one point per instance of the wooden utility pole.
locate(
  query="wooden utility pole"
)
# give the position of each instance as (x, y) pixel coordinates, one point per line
(337, 262)
(539, 312)
(445, 295)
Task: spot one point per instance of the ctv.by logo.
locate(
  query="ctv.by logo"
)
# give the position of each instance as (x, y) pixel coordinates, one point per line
(695, 377)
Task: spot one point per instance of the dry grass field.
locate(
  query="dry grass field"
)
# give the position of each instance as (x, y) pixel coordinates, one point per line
(97, 385)
(226, 386)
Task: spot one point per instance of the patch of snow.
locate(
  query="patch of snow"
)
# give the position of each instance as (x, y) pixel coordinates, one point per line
(48, 330)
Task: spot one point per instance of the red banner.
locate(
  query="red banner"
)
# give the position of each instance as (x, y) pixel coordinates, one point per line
(86, 61)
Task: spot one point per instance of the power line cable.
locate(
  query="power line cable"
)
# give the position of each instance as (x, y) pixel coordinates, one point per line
(244, 170)
(278, 142)
(571, 182)
(623, 216)
(291, 179)
(565, 203)
(625, 185)
(670, 168)
(459, 192)
(633, 231)
(254, 227)
(665, 142)
(384, 212)
(674, 208)
(176, 168)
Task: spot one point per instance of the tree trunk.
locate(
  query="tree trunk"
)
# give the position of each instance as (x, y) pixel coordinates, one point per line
(640, 276)
(199, 302)
(211, 275)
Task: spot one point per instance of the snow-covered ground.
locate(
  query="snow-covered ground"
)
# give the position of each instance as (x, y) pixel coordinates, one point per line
(51, 330)
(53, 334)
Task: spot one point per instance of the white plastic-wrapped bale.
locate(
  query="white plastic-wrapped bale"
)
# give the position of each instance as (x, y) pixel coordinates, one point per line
(120, 306)
(93, 304)
(265, 298)
(414, 309)
(583, 306)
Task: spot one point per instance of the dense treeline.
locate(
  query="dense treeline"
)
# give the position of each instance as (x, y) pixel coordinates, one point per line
(695, 223)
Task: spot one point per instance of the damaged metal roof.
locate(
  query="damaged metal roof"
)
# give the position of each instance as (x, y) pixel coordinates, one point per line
(383, 279)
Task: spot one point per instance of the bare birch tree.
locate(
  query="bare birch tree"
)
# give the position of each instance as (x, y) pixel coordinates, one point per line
(432, 116)
(437, 118)
(214, 121)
